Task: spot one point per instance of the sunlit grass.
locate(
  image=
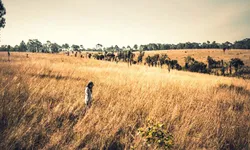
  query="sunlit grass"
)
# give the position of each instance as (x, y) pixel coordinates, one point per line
(42, 99)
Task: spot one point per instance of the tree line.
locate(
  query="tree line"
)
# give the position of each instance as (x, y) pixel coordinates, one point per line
(234, 67)
(242, 44)
(34, 45)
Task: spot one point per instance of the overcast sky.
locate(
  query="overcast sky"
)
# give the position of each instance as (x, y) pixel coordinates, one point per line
(125, 22)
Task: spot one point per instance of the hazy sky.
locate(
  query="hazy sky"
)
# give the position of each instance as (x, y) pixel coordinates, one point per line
(125, 22)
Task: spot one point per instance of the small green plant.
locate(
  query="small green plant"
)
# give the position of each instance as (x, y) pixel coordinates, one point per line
(154, 134)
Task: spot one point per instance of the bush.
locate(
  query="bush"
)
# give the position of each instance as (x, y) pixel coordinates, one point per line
(213, 63)
(244, 72)
(198, 67)
(98, 56)
(174, 64)
(236, 63)
(178, 67)
(154, 134)
(194, 66)
(140, 57)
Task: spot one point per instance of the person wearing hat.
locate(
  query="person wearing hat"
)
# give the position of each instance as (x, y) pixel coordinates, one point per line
(88, 93)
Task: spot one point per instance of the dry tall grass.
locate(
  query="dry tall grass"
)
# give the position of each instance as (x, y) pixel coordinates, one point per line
(42, 103)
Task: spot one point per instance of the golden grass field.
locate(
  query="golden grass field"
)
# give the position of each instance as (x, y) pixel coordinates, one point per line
(42, 103)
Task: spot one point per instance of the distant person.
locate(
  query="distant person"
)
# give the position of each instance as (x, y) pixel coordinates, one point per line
(88, 93)
(27, 55)
(8, 55)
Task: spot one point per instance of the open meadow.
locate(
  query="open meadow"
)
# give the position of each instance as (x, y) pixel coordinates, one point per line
(42, 103)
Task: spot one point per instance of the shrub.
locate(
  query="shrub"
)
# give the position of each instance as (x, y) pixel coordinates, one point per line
(194, 66)
(198, 67)
(140, 57)
(98, 56)
(174, 64)
(178, 67)
(236, 63)
(148, 60)
(154, 134)
(213, 63)
(244, 72)
(162, 59)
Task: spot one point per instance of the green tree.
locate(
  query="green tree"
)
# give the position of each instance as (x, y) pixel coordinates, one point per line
(148, 60)
(128, 47)
(140, 57)
(9, 48)
(135, 46)
(75, 47)
(211, 62)
(2, 13)
(48, 46)
(99, 46)
(117, 48)
(143, 47)
(198, 67)
(34, 45)
(236, 63)
(214, 45)
(16, 48)
(23, 47)
(3, 48)
(55, 48)
(226, 45)
(194, 66)
(65, 46)
(243, 44)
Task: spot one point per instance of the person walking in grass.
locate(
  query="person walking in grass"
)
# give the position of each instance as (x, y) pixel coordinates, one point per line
(88, 93)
